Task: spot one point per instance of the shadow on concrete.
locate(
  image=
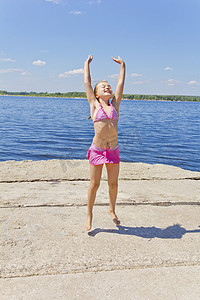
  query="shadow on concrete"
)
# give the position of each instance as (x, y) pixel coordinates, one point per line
(171, 232)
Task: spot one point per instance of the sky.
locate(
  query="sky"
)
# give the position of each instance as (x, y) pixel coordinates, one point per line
(44, 44)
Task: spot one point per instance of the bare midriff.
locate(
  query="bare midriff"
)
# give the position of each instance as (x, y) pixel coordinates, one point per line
(106, 132)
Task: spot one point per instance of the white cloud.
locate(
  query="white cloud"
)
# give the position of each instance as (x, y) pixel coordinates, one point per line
(25, 73)
(76, 12)
(113, 76)
(138, 82)
(12, 70)
(72, 72)
(7, 60)
(95, 2)
(4, 71)
(193, 82)
(39, 63)
(172, 82)
(54, 1)
(131, 75)
(168, 69)
(135, 75)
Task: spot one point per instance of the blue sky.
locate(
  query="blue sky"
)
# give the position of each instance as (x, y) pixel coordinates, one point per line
(44, 44)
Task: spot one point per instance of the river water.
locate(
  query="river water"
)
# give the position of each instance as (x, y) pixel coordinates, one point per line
(155, 132)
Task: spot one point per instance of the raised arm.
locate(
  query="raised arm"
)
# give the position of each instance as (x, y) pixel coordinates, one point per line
(87, 80)
(121, 79)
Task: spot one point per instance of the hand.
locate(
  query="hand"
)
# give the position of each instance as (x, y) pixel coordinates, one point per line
(90, 58)
(119, 60)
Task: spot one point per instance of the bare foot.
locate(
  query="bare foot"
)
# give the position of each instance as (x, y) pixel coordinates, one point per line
(114, 217)
(88, 222)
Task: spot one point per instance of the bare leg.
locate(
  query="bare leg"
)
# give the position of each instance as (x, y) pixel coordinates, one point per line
(95, 178)
(113, 174)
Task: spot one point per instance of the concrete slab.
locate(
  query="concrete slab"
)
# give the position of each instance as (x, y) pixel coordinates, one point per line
(27, 170)
(175, 283)
(51, 240)
(46, 254)
(67, 193)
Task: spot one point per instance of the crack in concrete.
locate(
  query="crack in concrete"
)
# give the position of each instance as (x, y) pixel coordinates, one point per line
(103, 179)
(98, 269)
(183, 203)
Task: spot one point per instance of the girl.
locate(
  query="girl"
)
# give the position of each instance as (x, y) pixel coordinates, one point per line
(104, 148)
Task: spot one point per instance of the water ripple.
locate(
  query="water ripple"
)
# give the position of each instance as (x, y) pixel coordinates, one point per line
(149, 131)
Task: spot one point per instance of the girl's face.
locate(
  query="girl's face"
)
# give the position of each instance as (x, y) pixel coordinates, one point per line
(104, 90)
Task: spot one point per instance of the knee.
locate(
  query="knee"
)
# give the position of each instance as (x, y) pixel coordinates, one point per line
(94, 185)
(113, 185)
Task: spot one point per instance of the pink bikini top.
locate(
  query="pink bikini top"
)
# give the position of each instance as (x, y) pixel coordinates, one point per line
(101, 114)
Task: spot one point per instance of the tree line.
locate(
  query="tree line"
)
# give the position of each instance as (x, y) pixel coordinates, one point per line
(46, 94)
(83, 95)
(161, 97)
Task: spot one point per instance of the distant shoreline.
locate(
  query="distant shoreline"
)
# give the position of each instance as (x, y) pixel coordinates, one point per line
(82, 95)
(43, 96)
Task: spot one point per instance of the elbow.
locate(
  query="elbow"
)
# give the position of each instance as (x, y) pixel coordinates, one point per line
(87, 83)
(121, 82)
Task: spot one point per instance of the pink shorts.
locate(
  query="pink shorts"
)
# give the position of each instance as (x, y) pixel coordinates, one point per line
(98, 156)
